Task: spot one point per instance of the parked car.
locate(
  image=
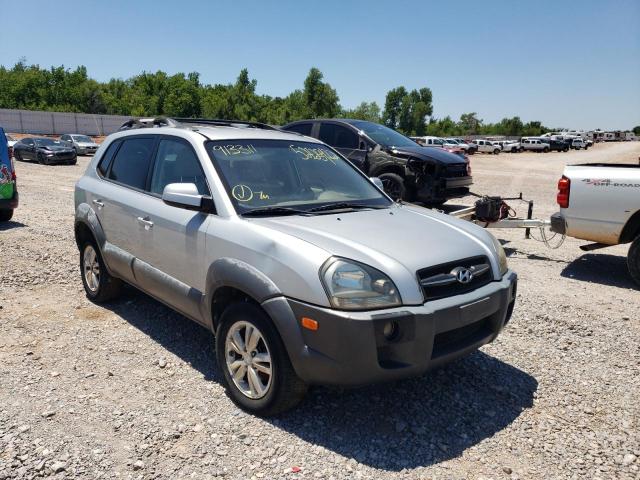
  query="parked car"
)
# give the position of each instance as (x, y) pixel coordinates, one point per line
(407, 170)
(600, 202)
(487, 146)
(82, 144)
(306, 272)
(578, 144)
(10, 140)
(440, 143)
(45, 151)
(8, 185)
(510, 146)
(557, 145)
(469, 148)
(534, 145)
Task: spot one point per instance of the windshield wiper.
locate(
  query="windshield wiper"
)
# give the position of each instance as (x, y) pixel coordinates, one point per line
(273, 211)
(342, 206)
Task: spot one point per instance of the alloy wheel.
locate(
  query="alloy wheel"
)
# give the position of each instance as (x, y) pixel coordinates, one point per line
(91, 268)
(248, 360)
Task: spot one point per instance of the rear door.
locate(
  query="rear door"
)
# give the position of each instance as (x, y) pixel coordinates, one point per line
(119, 200)
(346, 141)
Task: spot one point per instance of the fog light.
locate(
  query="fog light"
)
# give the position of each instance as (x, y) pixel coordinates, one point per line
(391, 330)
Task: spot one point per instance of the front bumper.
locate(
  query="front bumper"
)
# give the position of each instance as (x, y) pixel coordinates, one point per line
(349, 348)
(86, 150)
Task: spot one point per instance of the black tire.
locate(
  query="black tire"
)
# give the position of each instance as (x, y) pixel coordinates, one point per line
(394, 186)
(286, 389)
(545, 149)
(42, 160)
(6, 215)
(17, 156)
(107, 287)
(496, 151)
(633, 260)
(565, 149)
(73, 161)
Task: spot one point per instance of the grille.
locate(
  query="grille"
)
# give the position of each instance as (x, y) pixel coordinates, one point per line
(456, 171)
(459, 338)
(434, 292)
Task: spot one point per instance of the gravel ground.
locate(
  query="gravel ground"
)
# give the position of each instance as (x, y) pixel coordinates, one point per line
(131, 390)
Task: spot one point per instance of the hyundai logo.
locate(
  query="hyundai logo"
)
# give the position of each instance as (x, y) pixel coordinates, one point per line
(463, 275)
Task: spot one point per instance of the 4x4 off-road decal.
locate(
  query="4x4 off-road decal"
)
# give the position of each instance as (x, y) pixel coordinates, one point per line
(605, 182)
(6, 177)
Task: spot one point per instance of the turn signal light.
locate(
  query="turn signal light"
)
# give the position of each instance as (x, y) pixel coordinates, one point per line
(309, 323)
(564, 190)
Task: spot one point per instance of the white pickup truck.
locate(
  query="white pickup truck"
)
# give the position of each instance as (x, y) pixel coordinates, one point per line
(600, 202)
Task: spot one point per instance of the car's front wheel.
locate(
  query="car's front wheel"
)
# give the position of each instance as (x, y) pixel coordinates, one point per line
(394, 186)
(633, 260)
(98, 284)
(257, 372)
(496, 151)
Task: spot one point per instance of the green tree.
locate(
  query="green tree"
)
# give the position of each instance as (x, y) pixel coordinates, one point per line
(636, 130)
(393, 107)
(364, 111)
(320, 99)
(469, 123)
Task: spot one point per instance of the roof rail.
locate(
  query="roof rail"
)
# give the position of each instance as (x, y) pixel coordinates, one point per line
(224, 123)
(148, 123)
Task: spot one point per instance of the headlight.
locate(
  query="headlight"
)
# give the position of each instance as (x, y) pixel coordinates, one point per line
(502, 256)
(354, 286)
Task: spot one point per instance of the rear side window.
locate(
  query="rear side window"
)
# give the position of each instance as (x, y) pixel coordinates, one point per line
(303, 128)
(107, 158)
(131, 163)
(338, 136)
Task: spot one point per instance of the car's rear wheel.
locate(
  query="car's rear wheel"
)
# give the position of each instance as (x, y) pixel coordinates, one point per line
(257, 372)
(98, 284)
(6, 215)
(496, 151)
(545, 149)
(17, 156)
(633, 260)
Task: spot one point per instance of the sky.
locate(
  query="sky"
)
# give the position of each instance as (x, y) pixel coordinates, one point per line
(573, 64)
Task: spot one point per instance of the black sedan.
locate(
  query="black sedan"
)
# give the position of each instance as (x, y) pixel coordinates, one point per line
(45, 151)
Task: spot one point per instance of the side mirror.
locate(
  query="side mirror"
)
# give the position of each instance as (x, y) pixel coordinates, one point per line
(377, 182)
(185, 195)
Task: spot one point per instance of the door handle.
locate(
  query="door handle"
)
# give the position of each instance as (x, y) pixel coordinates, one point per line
(148, 224)
(98, 203)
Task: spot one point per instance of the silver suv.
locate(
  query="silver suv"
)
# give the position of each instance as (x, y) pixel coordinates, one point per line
(304, 270)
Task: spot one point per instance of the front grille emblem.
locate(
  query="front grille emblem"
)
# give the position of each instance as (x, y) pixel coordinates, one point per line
(463, 275)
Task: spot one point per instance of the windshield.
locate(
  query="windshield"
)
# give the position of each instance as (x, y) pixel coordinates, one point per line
(81, 138)
(384, 135)
(47, 142)
(451, 140)
(298, 175)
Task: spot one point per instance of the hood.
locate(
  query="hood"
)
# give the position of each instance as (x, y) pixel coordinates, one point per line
(430, 153)
(55, 148)
(399, 240)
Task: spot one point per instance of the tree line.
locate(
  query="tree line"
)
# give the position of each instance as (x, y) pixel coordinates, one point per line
(59, 89)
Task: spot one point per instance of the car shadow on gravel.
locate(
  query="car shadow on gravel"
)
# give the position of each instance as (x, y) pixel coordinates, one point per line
(416, 422)
(600, 268)
(10, 225)
(176, 333)
(405, 424)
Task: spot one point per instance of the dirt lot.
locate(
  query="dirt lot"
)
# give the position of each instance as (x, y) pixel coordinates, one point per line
(130, 390)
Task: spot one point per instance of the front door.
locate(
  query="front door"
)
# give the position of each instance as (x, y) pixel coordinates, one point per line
(346, 141)
(170, 258)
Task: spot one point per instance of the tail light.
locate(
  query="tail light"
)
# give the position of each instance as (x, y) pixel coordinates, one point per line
(564, 189)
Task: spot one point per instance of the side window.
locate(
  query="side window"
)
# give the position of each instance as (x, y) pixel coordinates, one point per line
(338, 136)
(107, 158)
(176, 162)
(303, 128)
(28, 141)
(131, 164)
